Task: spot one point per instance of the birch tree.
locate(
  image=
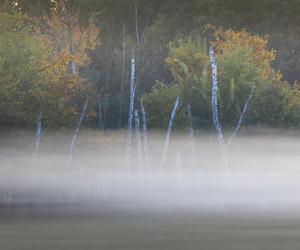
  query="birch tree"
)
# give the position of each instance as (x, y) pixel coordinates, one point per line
(168, 136)
(131, 106)
(214, 105)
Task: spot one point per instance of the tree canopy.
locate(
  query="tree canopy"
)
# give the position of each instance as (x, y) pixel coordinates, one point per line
(56, 53)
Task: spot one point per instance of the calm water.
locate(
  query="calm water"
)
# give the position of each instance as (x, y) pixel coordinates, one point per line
(148, 231)
(195, 203)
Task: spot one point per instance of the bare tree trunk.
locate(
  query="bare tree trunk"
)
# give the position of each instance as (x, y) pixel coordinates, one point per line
(139, 50)
(138, 138)
(145, 136)
(190, 128)
(136, 24)
(122, 77)
(237, 129)
(69, 14)
(167, 140)
(131, 106)
(71, 65)
(77, 131)
(214, 105)
(38, 134)
(191, 133)
(108, 76)
(99, 111)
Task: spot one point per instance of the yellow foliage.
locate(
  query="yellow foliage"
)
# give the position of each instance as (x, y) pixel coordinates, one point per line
(54, 34)
(229, 41)
(186, 60)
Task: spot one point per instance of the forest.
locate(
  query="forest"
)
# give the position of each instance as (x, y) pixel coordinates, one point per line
(59, 58)
(149, 124)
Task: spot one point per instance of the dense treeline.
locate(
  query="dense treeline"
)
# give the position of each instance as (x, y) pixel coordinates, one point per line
(56, 54)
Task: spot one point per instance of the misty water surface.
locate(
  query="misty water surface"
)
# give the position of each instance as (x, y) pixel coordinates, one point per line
(104, 201)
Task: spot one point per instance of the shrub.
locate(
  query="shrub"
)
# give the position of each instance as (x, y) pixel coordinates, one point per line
(31, 81)
(243, 61)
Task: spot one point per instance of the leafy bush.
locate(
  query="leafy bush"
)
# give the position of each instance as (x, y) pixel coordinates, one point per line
(159, 103)
(30, 81)
(243, 62)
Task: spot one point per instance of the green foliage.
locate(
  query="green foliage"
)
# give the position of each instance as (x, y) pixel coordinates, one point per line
(159, 104)
(28, 84)
(278, 104)
(243, 61)
(20, 55)
(32, 77)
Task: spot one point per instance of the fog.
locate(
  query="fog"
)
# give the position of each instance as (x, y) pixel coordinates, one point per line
(262, 173)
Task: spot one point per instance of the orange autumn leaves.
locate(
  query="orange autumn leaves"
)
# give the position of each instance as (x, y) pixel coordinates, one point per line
(226, 42)
(55, 37)
(189, 57)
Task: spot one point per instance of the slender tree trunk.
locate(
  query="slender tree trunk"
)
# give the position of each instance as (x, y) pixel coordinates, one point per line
(131, 106)
(77, 131)
(139, 51)
(38, 134)
(167, 140)
(145, 136)
(190, 128)
(122, 77)
(71, 64)
(99, 111)
(191, 133)
(138, 138)
(238, 127)
(108, 75)
(214, 105)
(136, 23)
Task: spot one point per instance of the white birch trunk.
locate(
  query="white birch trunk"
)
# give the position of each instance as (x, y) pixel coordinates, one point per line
(38, 134)
(131, 107)
(190, 128)
(145, 136)
(77, 131)
(122, 78)
(245, 109)
(214, 105)
(167, 140)
(191, 134)
(138, 138)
